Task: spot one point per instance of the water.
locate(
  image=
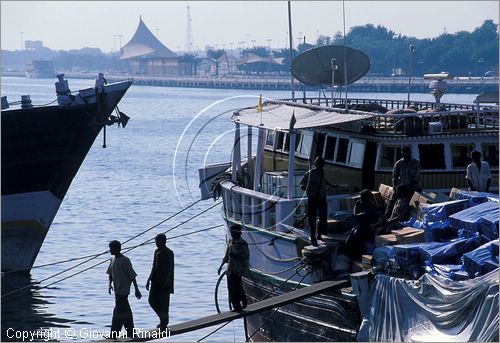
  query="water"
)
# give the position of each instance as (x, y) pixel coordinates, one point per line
(148, 171)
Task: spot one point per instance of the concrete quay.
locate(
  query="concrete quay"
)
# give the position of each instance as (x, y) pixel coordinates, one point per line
(472, 85)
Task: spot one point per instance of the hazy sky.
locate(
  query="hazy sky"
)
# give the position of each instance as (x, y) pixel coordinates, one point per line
(76, 24)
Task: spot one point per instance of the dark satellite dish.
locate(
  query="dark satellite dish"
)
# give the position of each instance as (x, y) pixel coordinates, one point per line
(314, 66)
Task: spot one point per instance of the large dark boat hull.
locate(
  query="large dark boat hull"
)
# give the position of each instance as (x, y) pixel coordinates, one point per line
(332, 316)
(42, 151)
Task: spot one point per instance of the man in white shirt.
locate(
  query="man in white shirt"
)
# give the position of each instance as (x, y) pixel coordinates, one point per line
(121, 276)
(478, 174)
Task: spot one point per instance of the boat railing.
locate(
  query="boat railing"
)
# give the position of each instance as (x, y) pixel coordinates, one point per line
(389, 104)
(260, 210)
(449, 121)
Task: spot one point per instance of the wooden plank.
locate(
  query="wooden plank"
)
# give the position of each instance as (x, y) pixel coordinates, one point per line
(257, 307)
(260, 306)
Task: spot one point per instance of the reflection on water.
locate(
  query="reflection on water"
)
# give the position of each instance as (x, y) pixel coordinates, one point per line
(25, 311)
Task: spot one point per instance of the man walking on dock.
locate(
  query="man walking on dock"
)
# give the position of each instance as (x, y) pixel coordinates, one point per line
(236, 257)
(162, 280)
(121, 276)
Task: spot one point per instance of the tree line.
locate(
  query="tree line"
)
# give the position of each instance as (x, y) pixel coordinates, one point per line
(462, 53)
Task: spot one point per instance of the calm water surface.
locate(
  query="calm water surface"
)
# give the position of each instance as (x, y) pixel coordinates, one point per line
(148, 172)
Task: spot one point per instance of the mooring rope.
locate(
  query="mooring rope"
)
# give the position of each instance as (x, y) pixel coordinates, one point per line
(264, 297)
(98, 264)
(107, 251)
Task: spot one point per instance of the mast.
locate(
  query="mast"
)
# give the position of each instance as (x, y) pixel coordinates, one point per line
(291, 47)
(345, 56)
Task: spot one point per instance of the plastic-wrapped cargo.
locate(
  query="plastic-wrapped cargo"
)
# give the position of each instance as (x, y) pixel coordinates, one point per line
(442, 210)
(476, 261)
(474, 198)
(488, 225)
(408, 255)
(438, 231)
(470, 219)
(448, 253)
(446, 270)
(434, 309)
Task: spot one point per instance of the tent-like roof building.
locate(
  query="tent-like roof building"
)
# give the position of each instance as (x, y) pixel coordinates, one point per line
(145, 44)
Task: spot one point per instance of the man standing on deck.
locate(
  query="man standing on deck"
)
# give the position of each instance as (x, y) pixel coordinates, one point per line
(237, 258)
(478, 174)
(406, 171)
(100, 81)
(314, 183)
(121, 276)
(162, 280)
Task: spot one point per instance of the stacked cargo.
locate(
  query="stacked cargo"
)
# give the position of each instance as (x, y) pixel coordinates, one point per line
(276, 183)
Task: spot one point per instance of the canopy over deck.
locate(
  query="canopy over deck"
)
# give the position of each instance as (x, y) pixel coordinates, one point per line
(277, 116)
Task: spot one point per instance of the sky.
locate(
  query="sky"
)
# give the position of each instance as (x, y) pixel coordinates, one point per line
(65, 25)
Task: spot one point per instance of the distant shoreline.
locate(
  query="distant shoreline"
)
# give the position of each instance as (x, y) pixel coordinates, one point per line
(465, 85)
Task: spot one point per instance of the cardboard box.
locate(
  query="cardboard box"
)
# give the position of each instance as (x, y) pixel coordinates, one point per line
(384, 240)
(438, 197)
(367, 261)
(404, 231)
(454, 192)
(385, 191)
(416, 237)
(420, 198)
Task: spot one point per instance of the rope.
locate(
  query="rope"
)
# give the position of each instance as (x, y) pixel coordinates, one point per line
(97, 264)
(105, 252)
(264, 297)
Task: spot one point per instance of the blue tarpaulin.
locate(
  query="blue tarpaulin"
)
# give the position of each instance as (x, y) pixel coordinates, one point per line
(442, 210)
(433, 309)
(450, 252)
(476, 261)
(474, 198)
(482, 218)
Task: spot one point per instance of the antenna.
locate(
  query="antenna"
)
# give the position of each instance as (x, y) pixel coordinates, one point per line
(189, 41)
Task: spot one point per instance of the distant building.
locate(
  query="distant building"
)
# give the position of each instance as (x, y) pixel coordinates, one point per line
(147, 55)
(33, 45)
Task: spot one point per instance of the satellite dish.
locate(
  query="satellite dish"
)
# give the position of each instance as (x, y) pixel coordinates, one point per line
(314, 66)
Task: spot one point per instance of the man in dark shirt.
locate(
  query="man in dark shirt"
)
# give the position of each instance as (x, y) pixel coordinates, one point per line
(314, 183)
(406, 171)
(237, 259)
(161, 280)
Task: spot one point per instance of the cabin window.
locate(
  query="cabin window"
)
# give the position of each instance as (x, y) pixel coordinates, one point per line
(331, 142)
(279, 140)
(287, 141)
(342, 152)
(490, 154)
(389, 156)
(460, 155)
(320, 144)
(304, 147)
(270, 138)
(431, 156)
(356, 153)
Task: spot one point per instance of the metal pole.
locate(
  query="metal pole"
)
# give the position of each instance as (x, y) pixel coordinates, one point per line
(345, 58)
(291, 47)
(411, 50)
(334, 66)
